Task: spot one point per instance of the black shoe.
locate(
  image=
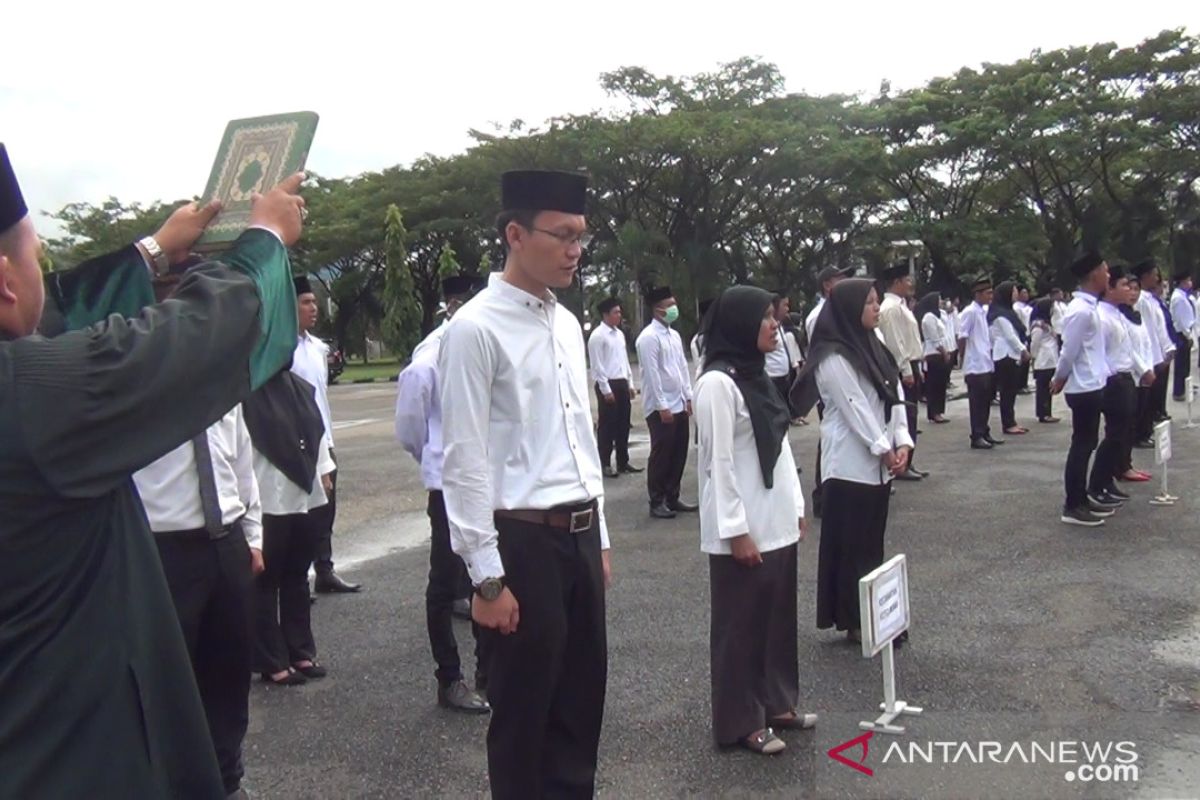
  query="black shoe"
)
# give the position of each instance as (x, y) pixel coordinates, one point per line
(457, 696)
(1082, 516)
(332, 583)
(312, 672)
(1144, 444)
(680, 506)
(1100, 509)
(1179, 399)
(1164, 418)
(923, 473)
(909, 474)
(461, 609)
(609, 472)
(1113, 491)
(981, 444)
(630, 468)
(1103, 501)
(994, 442)
(661, 511)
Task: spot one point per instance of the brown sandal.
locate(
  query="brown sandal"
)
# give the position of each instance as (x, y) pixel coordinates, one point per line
(795, 722)
(763, 742)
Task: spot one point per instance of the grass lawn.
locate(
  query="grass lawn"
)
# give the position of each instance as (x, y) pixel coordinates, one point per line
(379, 370)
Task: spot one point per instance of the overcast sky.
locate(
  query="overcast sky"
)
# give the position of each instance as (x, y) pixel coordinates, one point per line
(129, 97)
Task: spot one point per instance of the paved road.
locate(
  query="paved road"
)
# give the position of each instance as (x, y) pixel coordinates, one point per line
(1025, 631)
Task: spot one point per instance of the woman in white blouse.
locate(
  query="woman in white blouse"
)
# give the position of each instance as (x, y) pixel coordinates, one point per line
(1008, 353)
(1043, 346)
(865, 443)
(1139, 339)
(937, 344)
(751, 519)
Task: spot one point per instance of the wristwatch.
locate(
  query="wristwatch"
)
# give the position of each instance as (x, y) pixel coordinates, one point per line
(159, 259)
(489, 588)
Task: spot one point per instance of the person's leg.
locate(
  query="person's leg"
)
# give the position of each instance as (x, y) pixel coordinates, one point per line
(1008, 374)
(441, 592)
(605, 427)
(1161, 386)
(295, 607)
(1085, 432)
(740, 608)
(1183, 366)
(323, 518)
(781, 694)
(658, 469)
(270, 649)
(621, 432)
(679, 454)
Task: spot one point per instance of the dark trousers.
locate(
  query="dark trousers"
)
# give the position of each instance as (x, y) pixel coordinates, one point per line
(852, 532)
(322, 522)
(912, 403)
(1143, 409)
(937, 381)
(282, 608)
(1043, 399)
(546, 681)
(1085, 433)
(447, 581)
(1183, 364)
(1159, 390)
(979, 397)
(612, 432)
(1008, 379)
(668, 457)
(1120, 405)
(817, 494)
(1023, 377)
(753, 651)
(212, 589)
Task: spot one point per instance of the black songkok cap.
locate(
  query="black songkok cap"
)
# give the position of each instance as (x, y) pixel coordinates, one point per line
(1181, 274)
(1116, 272)
(895, 272)
(829, 273)
(302, 285)
(658, 294)
(12, 202)
(456, 285)
(1144, 267)
(981, 283)
(704, 306)
(608, 304)
(543, 190)
(479, 284)
(1086, 263)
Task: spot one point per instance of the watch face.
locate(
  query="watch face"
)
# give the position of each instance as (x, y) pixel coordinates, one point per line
(490, 589)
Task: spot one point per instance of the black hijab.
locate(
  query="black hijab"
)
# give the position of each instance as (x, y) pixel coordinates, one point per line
(285, 425)
(1002, 306)
(839, 329)
(730, 332)
(929, 304)
(1043, 311)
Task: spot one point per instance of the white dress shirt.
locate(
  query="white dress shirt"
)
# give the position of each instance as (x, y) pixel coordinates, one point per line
(779, 360)
(811, 320)
(1043, 346)
(733, 498)
(1024, 312)
(1058, 311)
(857, 429)
(1082, 362)
(311, 362)
(1183, 314)
(1143, 351)
(933, 327)
(900, 332)
(1005, 342)
(697, 356)
(610, 359)
(1119, 346)
(951, 319)
(793, 345)
(1161, 345)
(666, 383)
(280, 496)
(170, 487)
(516, 418)
(973, 326)
(419, 409)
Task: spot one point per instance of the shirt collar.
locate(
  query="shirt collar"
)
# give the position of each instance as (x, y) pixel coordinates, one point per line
(513, 294)
(1087, 297)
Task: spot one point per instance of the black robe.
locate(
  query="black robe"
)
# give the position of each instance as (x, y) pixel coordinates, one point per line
(97, 696)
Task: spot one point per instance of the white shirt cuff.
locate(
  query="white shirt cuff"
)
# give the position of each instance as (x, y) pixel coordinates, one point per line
(484, 563)
(881, 445)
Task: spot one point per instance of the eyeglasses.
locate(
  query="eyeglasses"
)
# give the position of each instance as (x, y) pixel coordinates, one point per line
(568, 239)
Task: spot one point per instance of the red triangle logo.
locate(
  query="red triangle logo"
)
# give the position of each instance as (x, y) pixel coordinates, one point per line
(836, 753)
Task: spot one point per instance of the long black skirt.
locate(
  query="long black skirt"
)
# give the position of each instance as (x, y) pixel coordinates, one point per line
(852, 528)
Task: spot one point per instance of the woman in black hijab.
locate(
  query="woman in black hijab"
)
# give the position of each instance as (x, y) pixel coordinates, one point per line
(936, 347)
(1009, 353)
(751, 520)
(1043, 348)
(865, 442)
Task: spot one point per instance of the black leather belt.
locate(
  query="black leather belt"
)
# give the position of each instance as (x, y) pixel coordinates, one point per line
(574, 519)
(201, 533)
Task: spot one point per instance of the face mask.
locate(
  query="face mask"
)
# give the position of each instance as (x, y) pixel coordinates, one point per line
(672, 314)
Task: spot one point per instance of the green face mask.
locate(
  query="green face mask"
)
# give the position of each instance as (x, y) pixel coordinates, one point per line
(672, 314)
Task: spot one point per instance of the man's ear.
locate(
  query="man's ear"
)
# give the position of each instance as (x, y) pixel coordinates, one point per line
(7, 297)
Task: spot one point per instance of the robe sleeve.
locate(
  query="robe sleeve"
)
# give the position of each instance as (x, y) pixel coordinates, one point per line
(116, 283)
(98, 404)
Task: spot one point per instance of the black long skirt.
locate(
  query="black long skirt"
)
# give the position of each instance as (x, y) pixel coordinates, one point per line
(852, 528)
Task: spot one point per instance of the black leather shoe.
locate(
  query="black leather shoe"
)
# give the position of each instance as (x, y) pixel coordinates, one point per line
(313, 671)
(908, 475)
(1144, 444)
(609, 472)
(921, 472)
(994, 442)
(631, 469)
(459, 697)
(461, 609)
(332, 583)
(981, 444)
(661, 511)
(680, 506)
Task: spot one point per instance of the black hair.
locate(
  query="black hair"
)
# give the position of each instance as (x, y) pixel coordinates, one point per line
(522, 216)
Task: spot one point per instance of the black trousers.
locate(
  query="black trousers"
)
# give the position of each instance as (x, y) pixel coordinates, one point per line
(852, 532)
(912, 404)
(283, 615)
(1159, 390)
(1008, 381)
(212, 588)
(1085, 433)
(546, 681)
(447, 581)
(322, 522)
(1143, 408)
(1183, 364)
(1043, 400)
(612, 431)
(668, 457)
(979, 397)
(1023, 378)
(817, 494)
(937, 381)
(1120, 405)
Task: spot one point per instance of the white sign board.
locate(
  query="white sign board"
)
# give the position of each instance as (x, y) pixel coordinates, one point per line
(1189, 388)
(883, 604)
(1162, 442)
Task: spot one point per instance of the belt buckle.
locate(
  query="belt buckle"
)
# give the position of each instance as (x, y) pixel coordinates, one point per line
(581, 521)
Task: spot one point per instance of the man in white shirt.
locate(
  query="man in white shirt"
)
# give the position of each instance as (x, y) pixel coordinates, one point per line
(311, 362)
(1024, 310)
(827, 278)
(525, 496)
(1183, 317)
(1162, 349)
(1083, 372)
(201, 500)
(611, 377)
(419, 431)
(975, 354)
(902, 336)
(666, 403)
(781, 360)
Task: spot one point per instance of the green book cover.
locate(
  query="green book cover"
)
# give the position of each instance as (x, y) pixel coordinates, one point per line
(255, 155)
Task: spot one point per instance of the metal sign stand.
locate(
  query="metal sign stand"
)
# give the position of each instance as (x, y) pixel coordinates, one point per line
(1189, 393)
(1162, 452)
(884, 609)
(891, 707)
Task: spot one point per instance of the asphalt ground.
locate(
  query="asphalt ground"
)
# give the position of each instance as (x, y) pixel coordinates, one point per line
(1024, 631)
